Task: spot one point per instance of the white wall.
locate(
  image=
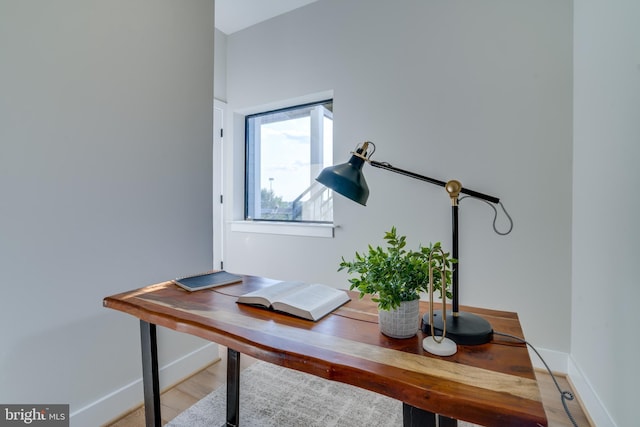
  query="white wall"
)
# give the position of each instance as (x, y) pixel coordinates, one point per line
(477, 91)
(105, 184)
(606, 202)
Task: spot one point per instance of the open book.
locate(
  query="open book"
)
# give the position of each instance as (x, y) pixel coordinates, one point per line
(306, 300)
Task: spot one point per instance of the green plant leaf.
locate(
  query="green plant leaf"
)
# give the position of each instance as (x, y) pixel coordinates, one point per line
(394, 274)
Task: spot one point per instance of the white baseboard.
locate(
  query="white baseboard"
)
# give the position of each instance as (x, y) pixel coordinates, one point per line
(596, 411)
(130, 396)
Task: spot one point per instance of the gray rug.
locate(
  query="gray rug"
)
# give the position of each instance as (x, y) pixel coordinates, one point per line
(271, 396)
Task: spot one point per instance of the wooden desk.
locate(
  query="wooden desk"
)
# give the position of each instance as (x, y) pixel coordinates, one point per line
(491, 384)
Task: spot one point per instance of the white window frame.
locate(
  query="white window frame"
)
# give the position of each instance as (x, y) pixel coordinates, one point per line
(314, 204)
(237, 225)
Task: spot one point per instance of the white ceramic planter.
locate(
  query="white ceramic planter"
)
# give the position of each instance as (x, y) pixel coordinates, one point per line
(401, 322)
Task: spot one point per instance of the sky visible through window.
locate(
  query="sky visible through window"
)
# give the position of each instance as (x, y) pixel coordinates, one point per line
(285, 156)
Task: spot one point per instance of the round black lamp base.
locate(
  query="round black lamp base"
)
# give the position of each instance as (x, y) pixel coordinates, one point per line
(463, 329)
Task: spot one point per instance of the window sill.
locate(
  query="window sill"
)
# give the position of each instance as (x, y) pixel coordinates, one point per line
(284, 228)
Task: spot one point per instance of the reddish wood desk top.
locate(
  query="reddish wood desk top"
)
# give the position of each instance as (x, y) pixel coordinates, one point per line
(491, 384)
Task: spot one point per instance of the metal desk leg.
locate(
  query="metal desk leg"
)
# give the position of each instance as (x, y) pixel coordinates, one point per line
(150, 377)
(415, 417)
(446, 421)
(233, 388)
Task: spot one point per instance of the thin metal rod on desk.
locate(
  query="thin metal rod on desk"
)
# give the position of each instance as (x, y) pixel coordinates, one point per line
(150, 377)
(233, 388)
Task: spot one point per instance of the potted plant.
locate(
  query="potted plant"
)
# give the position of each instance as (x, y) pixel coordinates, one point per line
(395, 276)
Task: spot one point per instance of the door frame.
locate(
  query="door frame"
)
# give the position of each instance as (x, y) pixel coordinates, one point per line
(219, 114)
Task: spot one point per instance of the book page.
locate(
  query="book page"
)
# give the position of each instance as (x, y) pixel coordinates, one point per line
(311, 302)
(266, 296)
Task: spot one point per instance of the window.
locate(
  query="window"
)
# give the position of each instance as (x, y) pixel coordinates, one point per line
(285, 151)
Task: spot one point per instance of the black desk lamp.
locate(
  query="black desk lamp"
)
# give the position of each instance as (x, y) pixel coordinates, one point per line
(347, 179)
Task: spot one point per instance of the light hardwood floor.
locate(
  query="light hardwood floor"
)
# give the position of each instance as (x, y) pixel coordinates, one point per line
(183, 395)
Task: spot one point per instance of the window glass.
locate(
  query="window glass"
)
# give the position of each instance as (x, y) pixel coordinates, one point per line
(285, 151)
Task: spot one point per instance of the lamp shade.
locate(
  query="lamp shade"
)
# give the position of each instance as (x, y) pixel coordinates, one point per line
(347, 179)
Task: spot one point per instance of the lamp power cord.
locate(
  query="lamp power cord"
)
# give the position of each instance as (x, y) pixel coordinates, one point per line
(565, 395)
(495, 215)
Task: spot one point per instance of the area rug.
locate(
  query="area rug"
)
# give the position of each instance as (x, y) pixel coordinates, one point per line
(272, 396)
